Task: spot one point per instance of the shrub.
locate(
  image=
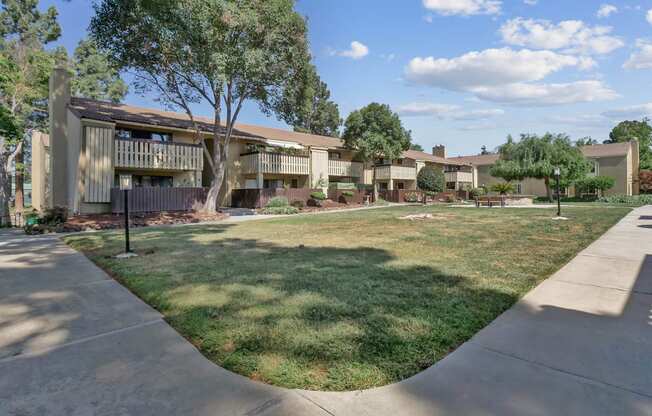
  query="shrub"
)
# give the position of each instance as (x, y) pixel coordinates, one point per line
(287, 210)
(503, 188)
(347, 194)
(297, 203)
(412, 197)
(341, 185)
(54, 216)
(645, 178)
(431, 179)
(476, 192)
(277, 202)
(318, 195)
(634, 200)
(594, 185)
(381, 202)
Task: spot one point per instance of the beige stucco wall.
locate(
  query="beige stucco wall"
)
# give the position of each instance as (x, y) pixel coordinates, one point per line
(40, 170)
(617, 168)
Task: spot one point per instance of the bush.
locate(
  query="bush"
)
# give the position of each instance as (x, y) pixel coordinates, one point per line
(381, 202)
(318, 195)
(54, 216)
(503, 188)
(594, 185)
(431, 179)
(645, 178)
(277, 202)
(297, 203)
(287, 210)
(476, 192)
(347, 194)
(634, 200)
(341, 185)
(412, 197)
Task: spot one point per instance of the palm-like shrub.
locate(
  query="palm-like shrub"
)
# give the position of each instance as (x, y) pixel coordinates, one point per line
(503, 188)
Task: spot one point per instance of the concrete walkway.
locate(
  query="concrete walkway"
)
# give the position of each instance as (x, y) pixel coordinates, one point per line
(74, 342)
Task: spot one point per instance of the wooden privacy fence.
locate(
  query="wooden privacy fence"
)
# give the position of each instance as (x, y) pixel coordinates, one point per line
(156, 199)
(398, 195)
(258, 198)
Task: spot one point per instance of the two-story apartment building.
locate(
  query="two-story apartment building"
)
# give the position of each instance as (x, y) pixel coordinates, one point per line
(92, 143)
(617, 160)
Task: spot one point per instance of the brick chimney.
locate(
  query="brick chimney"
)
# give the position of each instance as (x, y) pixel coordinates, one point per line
(439, 151)
(59, 98)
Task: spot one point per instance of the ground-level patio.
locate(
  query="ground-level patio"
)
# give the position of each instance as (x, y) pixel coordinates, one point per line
(73, 340)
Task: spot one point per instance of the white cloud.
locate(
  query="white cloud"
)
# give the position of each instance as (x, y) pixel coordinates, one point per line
(447, 111)
(490, 67)
(479, 126)
(648, 16)
(581, 120)
(642, 58)
(428, 18)
(358, 50)
(572, 36)
(463, 7)
(606, 10)
(531, 2)
(388, 57)
(631, 112)
(547, 94)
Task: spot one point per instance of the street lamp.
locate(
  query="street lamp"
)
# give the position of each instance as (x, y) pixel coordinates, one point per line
(126, 184)
(557, 177)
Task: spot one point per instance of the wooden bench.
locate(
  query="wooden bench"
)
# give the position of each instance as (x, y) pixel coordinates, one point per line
(490, 201)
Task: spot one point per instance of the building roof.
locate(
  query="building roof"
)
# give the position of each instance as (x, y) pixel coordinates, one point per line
(477, 160)
(593, 151)
(291, 136)
(418, 155)
(111, 112)
(606, 150)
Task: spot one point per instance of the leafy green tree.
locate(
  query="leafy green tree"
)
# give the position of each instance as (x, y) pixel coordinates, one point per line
(635, 130)
(375, 132)
(537, 157)
(594, 184)
(586, 141)
(431, 179)
(307, 105)
(417, 147)
(94, 76)
(220, 52)
(26, 66)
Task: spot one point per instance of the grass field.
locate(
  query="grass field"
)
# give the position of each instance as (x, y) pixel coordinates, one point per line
(348, 300)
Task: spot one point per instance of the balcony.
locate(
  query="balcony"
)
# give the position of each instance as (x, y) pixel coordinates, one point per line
(344, 168)
(277, 163)
(145, 154)
(459, 176)
(388, 172)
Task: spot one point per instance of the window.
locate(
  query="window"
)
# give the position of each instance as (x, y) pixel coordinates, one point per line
(147, 181)
(334, 155)
(382, 186)
(451, 168)
(295, 183)
(595, 168)
(518, 188)
(272, 183)
(451, 185)
(143, 135)
(400, 185)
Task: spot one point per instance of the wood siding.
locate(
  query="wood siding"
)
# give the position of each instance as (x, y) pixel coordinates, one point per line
(145, 154)
(154, 199)
(278, 163)
(98, 177)
(344, 168)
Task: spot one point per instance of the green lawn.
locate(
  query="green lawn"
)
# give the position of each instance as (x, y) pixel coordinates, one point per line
(349, 300)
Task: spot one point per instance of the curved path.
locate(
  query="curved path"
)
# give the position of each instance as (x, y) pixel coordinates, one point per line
(74, 342)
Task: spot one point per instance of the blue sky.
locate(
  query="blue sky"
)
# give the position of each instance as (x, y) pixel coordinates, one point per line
(466, 73)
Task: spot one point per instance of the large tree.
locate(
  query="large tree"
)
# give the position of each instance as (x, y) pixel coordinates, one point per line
(537, 157)
(94, 76)
(635, 130)
(417, 147)
(218, 52)
(24, 30)
(307, 105)
(375, 132)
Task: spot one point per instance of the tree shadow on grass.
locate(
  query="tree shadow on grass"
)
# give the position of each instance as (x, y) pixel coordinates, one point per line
(308, 316)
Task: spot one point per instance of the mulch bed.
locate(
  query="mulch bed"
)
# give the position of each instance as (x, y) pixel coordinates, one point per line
(109, 221)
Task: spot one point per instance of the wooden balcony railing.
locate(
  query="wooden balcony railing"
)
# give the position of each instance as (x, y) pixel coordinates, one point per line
(459, 176)
(279, 163)
(387, 172)
(344, 168)
(145, 154)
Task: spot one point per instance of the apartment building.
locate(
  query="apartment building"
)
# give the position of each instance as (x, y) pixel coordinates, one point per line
(92, 143)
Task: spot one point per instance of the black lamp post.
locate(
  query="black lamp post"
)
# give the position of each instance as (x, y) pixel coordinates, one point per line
(126, 184)
(557, 177)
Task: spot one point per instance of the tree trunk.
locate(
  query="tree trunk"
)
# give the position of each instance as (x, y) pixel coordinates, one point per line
(19, 180)
(218, 170)
(5, 192)
(548, 190)
(373, 183)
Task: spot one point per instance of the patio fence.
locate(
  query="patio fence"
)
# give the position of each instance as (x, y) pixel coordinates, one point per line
(258, 198)
(157, 199)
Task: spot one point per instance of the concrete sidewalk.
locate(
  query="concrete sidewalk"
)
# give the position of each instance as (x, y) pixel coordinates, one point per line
(74, 342)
